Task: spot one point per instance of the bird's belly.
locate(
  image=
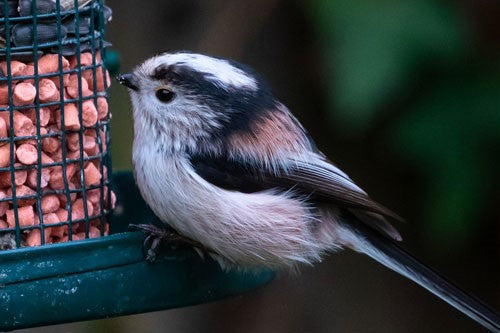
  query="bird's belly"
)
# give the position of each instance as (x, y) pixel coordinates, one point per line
(163, 187)
(249, 229)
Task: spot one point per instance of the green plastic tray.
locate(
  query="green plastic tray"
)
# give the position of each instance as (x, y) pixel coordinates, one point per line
(108, 276)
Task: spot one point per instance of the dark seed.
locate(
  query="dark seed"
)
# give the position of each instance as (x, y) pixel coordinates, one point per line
(24, 56)
(22, 34)
(42, 7)
(71, 49)
(48, 6)
(83, 24)
(11, 8)
(107, 13)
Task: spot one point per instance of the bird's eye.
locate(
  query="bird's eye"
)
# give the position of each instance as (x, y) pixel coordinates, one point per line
(165, 95)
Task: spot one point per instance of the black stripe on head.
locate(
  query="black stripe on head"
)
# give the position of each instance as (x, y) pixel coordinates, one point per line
(240, 106)
(160, 73)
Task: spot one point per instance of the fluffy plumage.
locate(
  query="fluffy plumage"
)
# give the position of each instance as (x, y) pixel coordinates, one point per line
(228, 165)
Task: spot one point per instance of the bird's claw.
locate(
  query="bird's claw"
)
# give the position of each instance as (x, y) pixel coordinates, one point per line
(156, 235)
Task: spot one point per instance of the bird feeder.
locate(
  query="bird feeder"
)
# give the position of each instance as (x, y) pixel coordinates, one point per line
(65, 253)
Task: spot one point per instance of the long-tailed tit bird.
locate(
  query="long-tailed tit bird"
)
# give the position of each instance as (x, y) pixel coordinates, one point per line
(218, 158)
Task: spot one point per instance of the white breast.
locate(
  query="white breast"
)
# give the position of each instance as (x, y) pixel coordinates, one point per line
(248, 229)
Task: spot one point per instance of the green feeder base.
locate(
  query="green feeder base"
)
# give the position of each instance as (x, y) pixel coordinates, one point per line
(108, 276)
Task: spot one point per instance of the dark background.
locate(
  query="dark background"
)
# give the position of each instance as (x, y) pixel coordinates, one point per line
(403, 95)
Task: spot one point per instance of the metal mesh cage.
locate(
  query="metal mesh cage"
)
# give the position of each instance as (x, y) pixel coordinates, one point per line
(54, 122)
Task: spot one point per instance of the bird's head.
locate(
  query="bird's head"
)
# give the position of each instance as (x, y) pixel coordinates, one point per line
(191, 99)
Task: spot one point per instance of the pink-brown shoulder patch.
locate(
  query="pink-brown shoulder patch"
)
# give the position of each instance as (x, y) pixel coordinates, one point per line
(269, 137)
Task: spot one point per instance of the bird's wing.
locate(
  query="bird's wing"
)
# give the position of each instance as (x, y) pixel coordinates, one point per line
(316, 179)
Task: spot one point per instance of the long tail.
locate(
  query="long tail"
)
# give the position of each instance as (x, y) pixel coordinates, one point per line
(385, 251)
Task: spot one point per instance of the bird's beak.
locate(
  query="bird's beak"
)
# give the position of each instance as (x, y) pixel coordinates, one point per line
(128, 80)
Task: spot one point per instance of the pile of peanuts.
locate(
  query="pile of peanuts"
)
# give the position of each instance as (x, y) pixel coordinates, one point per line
(47, 175)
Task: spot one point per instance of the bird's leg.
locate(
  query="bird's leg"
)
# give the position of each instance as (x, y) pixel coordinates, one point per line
(156, 235)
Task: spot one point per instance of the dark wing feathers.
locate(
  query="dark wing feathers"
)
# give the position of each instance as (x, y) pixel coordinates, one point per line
(229, 175)
(335, 187)
(316, 181)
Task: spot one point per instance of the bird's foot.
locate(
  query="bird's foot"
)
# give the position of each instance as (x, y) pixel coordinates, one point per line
(156, 235)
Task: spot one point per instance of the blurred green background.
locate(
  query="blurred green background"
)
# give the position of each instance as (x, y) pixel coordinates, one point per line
(403, 95)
